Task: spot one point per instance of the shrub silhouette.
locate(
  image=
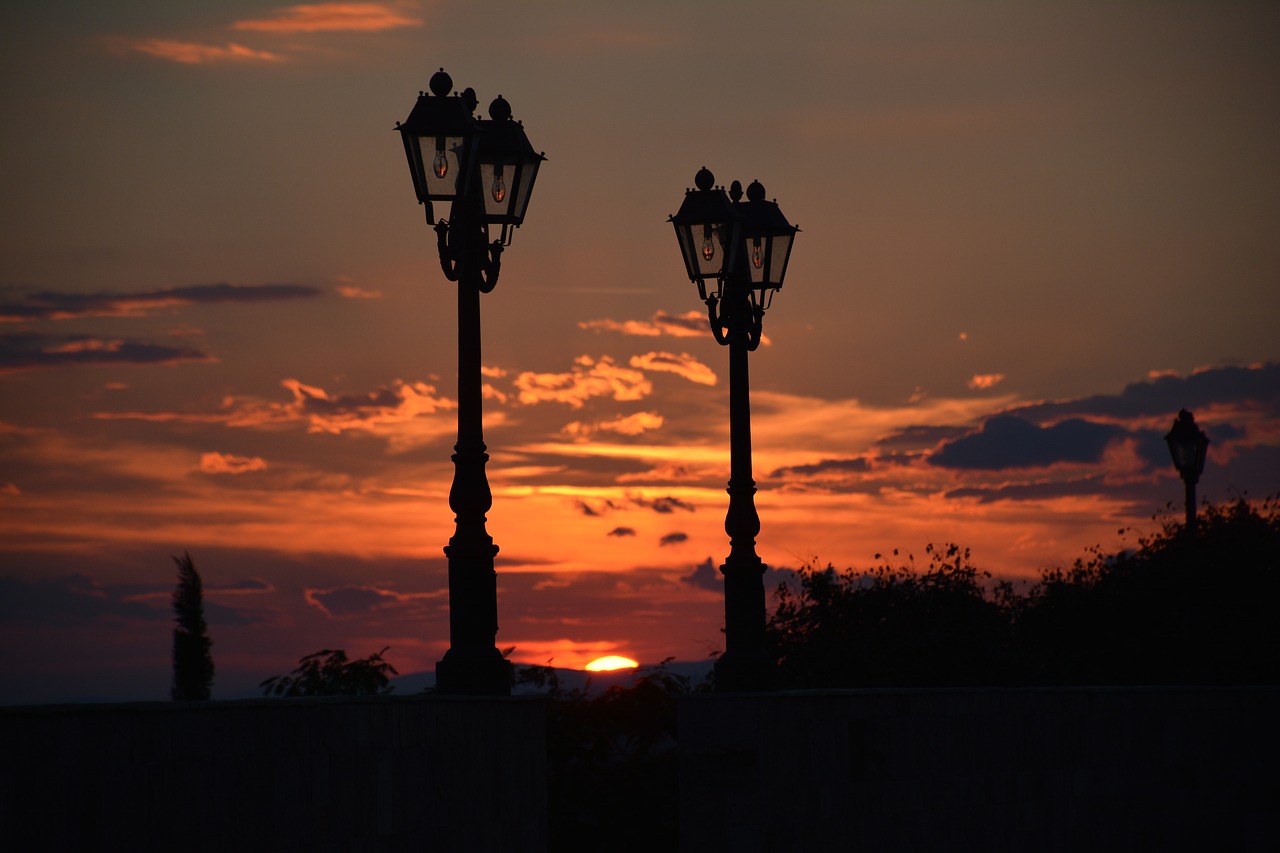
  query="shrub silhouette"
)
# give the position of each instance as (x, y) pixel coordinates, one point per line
(891, 625)
(328, 672)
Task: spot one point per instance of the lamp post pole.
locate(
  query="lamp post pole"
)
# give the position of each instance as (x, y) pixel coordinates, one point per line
(737, 252)
(473, 664)
(745, 664)
(484, 170)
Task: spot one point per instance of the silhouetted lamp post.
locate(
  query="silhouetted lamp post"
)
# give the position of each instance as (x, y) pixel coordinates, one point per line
(482, 171)
(736, 252)
(1188, 445)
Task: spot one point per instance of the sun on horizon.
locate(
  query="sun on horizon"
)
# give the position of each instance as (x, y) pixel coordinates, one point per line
(608, 663)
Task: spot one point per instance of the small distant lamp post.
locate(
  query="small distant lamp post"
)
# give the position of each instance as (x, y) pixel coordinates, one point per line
(1188, 445)
(736, 252)
(483, 171)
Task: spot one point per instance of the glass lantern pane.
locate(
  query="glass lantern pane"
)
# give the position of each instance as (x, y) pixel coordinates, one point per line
(496, 189)
(779, 253)
(506, 184)
(523, 187)
(686, 248)
(442, 165)
(710, 250)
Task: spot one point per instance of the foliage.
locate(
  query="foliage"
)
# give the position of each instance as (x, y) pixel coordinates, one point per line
(611, 754)
(193, 668)
(1177, 608)
(328, 672)
(891, 625)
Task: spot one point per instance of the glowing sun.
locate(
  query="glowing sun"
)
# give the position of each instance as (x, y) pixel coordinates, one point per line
(611, 662)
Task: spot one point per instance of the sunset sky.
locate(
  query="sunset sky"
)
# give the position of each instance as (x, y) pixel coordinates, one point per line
(1031, 233)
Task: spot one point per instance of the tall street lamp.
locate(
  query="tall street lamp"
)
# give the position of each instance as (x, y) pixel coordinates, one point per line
(483, 170)
(1188, 445)
(736, 252)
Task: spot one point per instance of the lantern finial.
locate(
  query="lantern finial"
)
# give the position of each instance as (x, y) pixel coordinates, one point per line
(704, 180)
(499, 109)
(441, 84)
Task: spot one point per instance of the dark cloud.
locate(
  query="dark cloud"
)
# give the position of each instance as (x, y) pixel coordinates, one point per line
(315, 401)
(240, 587)
(1151, 448)
(350, 600)
(70, 601)
(857, 465)
(1011, 442)
(1032, 491)
(78, 600)
(1168, 394)
(622, 531)
(50, 305)
(35, 351)
(673, 539)
(345, 601)
(692, 321)
(919, 437)
(705, 576)
(594, 511)
(221, 614)
(667, 505)
(900, 458)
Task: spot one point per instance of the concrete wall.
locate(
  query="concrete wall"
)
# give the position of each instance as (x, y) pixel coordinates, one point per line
(993, 770)
(335, 774)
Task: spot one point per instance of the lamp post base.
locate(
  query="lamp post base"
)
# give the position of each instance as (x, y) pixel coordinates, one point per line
(752, 672)
(480, 672)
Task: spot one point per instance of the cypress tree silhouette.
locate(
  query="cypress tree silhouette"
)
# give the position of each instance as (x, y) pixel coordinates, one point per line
(192, 659)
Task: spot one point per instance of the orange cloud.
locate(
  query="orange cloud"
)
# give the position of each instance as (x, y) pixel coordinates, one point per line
(396, 412)
(635, 424)
(325, 413)
(589, 378)
(191, 53)
(225, 463)
(350, 292)
(682, 365)
(83, 345)
(690, 324)
(331, 18)
(982, 381)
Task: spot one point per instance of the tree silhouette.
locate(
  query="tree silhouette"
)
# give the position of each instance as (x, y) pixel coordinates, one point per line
(1177, 609)
(328, 672)
(192, 659)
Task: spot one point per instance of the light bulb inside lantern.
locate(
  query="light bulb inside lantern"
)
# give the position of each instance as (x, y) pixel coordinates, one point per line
(441, 164)
(708, 246)
(499, 188)
(757, 253)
